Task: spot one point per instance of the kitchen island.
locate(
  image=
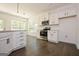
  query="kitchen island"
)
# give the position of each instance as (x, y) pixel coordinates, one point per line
(11, 41)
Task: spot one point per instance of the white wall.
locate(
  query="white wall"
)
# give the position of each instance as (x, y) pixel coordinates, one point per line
(77, 31)
(67, 30)
(10, 8)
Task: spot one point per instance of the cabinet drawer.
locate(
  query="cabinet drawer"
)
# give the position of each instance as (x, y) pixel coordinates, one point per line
(20, 44)
(21, 39)
(3, 35)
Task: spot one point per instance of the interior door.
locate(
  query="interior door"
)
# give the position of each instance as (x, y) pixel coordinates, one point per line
(67, 30)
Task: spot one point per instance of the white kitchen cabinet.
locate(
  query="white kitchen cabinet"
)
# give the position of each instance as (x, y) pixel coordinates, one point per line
(71, 12)
(62, 14)
(53, 36)
(67, 12)
(19, 39)
(12, 40)
(5, 45)
(53, 19)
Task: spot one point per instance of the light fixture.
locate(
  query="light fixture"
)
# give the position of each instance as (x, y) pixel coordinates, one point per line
(20, 11)
(17, 7)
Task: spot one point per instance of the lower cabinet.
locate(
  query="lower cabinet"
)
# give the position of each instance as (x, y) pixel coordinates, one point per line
(19, 40)
(53, 36)
(12, 41)
(5, 46)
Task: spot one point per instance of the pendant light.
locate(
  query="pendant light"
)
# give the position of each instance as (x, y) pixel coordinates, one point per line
(17, 7)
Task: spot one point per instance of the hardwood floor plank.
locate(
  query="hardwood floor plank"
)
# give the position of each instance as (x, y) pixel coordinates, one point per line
(37, 47)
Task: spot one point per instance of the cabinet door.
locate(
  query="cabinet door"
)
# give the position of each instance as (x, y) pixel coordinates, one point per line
(53, 19)
(61, 14)
(71, 12)
(15, 39)
(55, 35)
(4, 46)
(15, 42)
(19, 39)
(49, 36)
(52, 36)
(67, 11)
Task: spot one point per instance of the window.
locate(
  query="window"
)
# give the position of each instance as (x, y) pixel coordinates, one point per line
(1, 25)
(23, 25)
(14, 25)
(18, 25)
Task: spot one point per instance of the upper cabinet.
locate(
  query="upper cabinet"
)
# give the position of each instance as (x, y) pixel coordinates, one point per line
(43, 17)
(63, 12)
(53, 19)
(68, 11)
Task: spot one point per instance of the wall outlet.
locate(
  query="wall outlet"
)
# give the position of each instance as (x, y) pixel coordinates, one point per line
(66, 36)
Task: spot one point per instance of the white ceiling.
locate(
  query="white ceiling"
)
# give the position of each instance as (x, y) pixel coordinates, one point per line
(39, 7)
(29, 8)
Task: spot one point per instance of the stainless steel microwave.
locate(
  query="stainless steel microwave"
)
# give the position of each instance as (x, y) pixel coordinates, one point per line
(45, 22)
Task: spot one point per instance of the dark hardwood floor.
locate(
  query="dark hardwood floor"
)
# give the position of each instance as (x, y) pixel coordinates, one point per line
(38, 47)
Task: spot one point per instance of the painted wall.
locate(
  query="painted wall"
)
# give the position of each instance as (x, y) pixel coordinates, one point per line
(77, 31)
(9, 8)
(67, 30)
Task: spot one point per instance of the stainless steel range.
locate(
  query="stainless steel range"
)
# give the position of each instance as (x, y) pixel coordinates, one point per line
(44, 32)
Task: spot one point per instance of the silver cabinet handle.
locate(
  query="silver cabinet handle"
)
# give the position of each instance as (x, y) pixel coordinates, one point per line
(8, 41)
(21, 36)
(21, 39)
